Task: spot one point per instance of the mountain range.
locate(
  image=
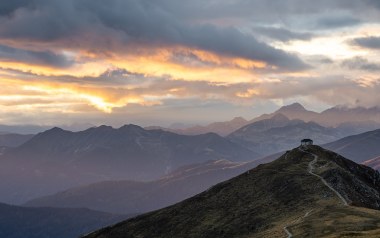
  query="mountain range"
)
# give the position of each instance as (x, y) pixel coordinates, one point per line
(352, 120)
(278, 133)
(307, 192)
(220, 128)
(133, 170)
(57, 159)
(138, 197)
(34, 129)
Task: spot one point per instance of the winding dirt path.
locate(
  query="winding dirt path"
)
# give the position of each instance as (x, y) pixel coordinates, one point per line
(287, 232)
(310, 170)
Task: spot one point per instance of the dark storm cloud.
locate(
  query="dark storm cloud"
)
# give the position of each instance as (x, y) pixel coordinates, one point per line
(232, 42)
(137, 21)
(47, 58)
(8, 7)
(337, 22)
(273, 11)
(360, 64)
(375, 3)
(95, 24)
(368, 42)
(283, 34)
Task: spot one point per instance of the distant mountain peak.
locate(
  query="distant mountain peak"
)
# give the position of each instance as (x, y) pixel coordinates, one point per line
(131, 127)
(295, 107)
(54, 130)
(280, 117)
(238, 119)
(104, 127)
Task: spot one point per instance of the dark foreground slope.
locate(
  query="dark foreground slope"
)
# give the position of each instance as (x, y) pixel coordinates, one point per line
(297, 193)
(22, 222)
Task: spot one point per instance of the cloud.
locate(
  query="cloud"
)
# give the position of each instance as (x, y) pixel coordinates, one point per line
(337, 22)
(47, 58)
(282, 34)
(359, 63)
(371, 42)
(330, 89)
(133, 22)
(9, 7)
(128, 95)
(374, 3)
(154, 58)
(287, 13)
(118, 88)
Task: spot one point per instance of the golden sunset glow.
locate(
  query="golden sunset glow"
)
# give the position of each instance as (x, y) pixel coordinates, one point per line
(118, 67)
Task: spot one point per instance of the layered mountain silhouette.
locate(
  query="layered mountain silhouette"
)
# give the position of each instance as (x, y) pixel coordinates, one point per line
(57, 159)
(357, 119)
(359, 148)
(349, 120)
(292, 111)
(138, 197)
(278, 133)
(220, 128)
(130, 197)
(307, 192)
(21, 222)
(13, 140)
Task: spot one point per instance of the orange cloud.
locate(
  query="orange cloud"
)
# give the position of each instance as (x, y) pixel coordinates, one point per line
(197, 65)
(211, 67)
(34, 94)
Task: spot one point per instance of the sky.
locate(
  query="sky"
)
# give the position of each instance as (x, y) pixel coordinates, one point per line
(157, 62)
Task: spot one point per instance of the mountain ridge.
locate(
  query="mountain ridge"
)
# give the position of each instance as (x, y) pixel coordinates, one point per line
(271, 199)
(356, 120)
(275, 134)
(59, 159)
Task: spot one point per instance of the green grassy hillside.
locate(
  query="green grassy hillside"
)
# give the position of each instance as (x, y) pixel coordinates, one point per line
(287, 193)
